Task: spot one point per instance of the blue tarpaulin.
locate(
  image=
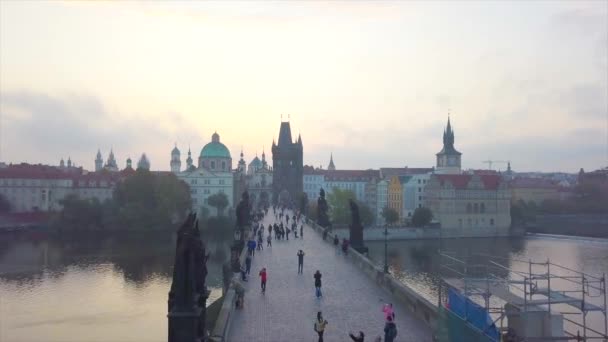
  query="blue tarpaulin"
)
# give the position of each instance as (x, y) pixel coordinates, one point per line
(471, 312)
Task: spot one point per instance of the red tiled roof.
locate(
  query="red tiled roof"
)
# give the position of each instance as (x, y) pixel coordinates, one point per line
(490, 182)
(350, 175)
(387, 172)
(29, 171)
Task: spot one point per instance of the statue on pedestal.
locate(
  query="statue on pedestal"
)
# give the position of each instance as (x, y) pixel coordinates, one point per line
(243, 220)
(188, 294)
(356, 228)
(322, 208)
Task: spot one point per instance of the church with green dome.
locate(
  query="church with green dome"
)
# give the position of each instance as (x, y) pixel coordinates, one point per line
(215, 156)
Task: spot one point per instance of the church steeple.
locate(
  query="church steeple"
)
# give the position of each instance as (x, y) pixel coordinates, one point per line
(448, 159)
(331, 166)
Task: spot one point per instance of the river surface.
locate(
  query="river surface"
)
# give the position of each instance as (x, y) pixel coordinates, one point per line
(115, 289)
(93, 288)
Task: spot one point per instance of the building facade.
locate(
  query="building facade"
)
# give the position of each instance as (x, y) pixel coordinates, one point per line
(381, 200)
(470, 205)
(395, 195)
(212, 176)
(287, 167)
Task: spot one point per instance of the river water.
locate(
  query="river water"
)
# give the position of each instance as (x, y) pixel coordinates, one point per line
(115, 288)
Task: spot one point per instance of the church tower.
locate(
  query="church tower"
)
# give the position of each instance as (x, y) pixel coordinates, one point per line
(448, 159)
(98, 161)
(189, 160)
(287, 166)
(242, 166)
(176, 162)
(331, 166)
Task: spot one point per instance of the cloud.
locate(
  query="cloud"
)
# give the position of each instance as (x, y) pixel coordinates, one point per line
(39, 127)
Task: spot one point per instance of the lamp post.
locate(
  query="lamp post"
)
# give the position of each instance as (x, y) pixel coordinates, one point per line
(386, 248)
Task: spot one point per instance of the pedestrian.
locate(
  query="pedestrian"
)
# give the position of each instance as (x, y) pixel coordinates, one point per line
(248, 264)
(317, 277)
(300, 261)
(287, 233)
(302, 231)
(345, 246)
(388, 311)
(269, 241)
(263, 278)
(260, 242)
(287, 219)
(359, 338)
(336, 240)
(320, 325)
(390, 330)
(270, 229)
(253, 245)
(325, 231)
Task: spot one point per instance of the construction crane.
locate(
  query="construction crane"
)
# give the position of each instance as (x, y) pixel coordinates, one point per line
(490, 162)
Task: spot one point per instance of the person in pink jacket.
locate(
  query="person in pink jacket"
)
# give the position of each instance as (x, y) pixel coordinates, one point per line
(388, 311)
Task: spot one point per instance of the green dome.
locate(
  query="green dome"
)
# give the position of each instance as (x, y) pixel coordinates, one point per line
(215, 150)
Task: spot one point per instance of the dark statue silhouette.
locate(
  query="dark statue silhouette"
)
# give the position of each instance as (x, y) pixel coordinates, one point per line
(322, 208)
(188, 294)
(356, 228)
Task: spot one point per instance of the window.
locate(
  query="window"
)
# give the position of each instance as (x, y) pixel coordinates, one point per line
(475, 208)
(221, 182)
(193, 191)
(419, 181)
(223, 165)
(491, 222)
(420, 198)
(206, 191)
(482, 208)
(207, 182)
(193, 181)
(419, 189)
(419, 205)
(468, 208)
(213, 165)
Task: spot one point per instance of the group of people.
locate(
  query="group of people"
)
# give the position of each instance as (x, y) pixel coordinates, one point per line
(390, 328)
(281, 231)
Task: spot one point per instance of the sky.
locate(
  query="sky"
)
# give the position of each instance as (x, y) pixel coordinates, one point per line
(370, 82)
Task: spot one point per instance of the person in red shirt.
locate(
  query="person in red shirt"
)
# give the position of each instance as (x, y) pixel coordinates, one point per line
(263, 279)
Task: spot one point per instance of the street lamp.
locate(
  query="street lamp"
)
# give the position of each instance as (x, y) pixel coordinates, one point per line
(386, 248)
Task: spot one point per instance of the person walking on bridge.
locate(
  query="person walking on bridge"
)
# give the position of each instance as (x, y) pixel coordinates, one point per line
(248, 264)
(263, 277)
(390, 330)
(318, 284)
(320, 325)
(300, 262)
(269, 241)
(302, 231)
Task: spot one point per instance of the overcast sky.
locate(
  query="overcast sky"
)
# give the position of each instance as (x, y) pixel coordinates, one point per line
(372, 82)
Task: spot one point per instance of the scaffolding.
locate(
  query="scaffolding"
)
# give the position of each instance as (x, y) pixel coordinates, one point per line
(522, 291)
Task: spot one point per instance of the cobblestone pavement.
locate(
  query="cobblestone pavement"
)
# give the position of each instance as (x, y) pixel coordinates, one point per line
(286, 312)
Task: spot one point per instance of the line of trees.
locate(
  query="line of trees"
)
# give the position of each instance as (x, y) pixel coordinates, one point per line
(142, 201)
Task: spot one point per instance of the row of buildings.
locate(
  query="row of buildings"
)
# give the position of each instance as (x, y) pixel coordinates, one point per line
(474, 202)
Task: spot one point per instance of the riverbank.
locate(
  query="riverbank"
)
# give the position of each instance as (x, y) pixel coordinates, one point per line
(572, 225)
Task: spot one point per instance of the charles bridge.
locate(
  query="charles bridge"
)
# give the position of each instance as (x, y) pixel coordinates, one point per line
(354, 291)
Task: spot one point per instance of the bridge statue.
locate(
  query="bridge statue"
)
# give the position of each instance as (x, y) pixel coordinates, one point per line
(322, 208)
(356, 228)
(243, 221)
(188, 294)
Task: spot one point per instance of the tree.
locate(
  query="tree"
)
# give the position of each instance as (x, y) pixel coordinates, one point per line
(390, 215)
(365, 214)
(339, 207)
(422, 217)
(219, 201)
(148, 200)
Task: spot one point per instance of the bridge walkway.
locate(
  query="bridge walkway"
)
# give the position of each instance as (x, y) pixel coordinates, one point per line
(286, 312)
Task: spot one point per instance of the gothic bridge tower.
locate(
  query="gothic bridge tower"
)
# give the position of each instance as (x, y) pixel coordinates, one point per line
(287, 167)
